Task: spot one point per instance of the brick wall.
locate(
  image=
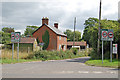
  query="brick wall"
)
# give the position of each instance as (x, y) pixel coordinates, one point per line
(62, 41)
(53, 37)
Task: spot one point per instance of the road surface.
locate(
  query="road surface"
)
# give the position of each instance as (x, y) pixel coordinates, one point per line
(70, 68)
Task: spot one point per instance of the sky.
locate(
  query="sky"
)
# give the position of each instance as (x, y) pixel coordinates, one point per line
(21, 13)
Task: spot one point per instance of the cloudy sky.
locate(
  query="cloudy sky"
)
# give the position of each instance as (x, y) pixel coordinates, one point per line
(21, 14)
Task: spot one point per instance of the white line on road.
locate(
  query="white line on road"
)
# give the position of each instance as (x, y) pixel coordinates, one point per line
(97, 72)
(83, 72)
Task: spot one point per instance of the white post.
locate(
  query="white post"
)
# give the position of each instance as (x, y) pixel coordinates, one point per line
(111, 51)
(12, 51)
(18, 52)
(102, 51)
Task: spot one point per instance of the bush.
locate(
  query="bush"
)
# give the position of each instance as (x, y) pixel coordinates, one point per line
(94, 54)
(74, 50)
(55, 55)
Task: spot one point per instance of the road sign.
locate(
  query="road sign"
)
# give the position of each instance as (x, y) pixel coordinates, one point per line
(15, 37)
(114, 48)
(107, 34)
(12, 37)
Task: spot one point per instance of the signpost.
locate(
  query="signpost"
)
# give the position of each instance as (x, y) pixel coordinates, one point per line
(107, 35)
(12, 40)
(15, 38)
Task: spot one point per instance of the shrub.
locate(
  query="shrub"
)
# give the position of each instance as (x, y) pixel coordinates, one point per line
(74, 50)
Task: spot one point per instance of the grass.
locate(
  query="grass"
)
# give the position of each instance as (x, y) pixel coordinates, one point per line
(106, 63)
(9, 61)
(7, 54)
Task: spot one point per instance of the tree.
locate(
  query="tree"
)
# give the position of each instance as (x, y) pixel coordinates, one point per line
(29, 30)
(5, 38)
(45, 39)
(70, 35)
(8, 30)
(91, 31)
(90, 26)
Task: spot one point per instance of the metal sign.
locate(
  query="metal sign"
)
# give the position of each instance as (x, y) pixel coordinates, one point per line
(15, 37)
(114, 48)
(107, 35)
(12, 37)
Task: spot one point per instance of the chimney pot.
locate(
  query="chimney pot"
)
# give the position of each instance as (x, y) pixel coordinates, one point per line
(45, 20)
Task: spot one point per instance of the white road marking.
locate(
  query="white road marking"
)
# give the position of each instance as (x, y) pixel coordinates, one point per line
(86, 72)
(83, 72)
(112, 72)
(97, 72)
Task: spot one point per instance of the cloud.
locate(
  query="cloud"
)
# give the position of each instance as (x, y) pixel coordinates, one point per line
(20, 14)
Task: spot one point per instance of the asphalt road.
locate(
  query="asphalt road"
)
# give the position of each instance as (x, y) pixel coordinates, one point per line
(71, 68)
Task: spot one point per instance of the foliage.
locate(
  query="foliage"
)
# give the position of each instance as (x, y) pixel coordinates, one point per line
(45, 39)
(5, 35)
(55, 55)
(74, 50)
(5, 38)
(91, 35)
(70, 35)
(29, 30)
(8, 30)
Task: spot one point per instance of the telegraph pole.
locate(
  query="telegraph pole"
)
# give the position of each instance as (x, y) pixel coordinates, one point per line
(98, 47)
(74, 32)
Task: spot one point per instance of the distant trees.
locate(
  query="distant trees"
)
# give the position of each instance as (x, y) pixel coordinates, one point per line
(5, 35)
(8, 30)
(29, 30)
(70, 35)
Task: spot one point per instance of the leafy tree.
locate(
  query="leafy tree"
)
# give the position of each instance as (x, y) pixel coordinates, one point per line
(91, 34)
(29, 30)
(70, 35)
(45, 39)
(8, 30)
(5, 37)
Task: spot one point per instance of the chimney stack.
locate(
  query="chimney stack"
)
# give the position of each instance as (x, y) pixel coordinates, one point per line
(45, 20)
(56, 25)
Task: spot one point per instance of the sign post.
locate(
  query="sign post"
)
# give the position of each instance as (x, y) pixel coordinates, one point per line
(107, 35)
(15, 37)
(12, 40)
(102, 52)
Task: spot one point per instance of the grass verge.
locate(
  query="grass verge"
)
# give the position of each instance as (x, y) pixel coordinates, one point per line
(106, 63)
(9, 61)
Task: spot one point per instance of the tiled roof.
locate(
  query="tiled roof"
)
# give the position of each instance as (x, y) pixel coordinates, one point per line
(27, 40)
(54, 29)
(82, 43)
(57, 31)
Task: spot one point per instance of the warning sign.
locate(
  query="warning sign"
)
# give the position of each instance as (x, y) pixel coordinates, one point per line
(107, 34)
(15, 37)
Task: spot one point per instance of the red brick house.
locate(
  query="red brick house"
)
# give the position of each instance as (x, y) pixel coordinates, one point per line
(57, 40)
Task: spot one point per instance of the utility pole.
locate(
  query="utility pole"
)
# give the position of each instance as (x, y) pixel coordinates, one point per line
(74, 32)
(98, 47)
